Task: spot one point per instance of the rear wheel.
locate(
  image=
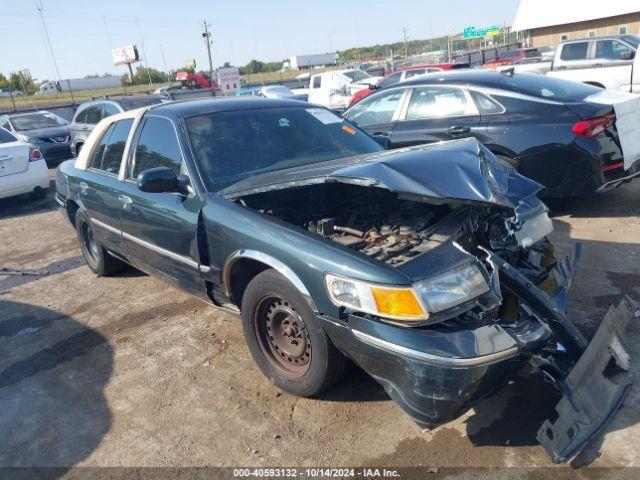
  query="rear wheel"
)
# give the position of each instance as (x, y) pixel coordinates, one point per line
(285, 338)
(98, 259)
(39, 193)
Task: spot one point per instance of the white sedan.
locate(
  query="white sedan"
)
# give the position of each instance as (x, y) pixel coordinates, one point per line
(22, 168)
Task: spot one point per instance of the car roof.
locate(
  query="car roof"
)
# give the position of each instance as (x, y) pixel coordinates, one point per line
(475, 76)
(190, 108)
(22, 114)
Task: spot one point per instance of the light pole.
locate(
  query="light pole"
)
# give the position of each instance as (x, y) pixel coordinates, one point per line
(207, 36)
(40, 9)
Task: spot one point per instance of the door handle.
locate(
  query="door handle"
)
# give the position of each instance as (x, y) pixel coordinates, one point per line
(126, 202)
(380, 134)
(562, 67)
(458, 130)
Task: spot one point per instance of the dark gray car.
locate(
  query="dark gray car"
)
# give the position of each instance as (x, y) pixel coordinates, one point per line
(45, 130)
(89, 114)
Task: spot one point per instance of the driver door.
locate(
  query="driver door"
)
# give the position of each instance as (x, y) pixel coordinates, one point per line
(160, 229)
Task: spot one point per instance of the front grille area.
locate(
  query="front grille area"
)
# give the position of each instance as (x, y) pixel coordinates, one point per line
(55, 154)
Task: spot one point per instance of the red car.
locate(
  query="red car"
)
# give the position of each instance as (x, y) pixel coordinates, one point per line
(512, 56)
(403, 74)
(194, 80)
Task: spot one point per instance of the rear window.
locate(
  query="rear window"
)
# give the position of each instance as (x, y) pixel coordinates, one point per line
(6, 137)
(356, 75)
(547, 87)
(574, 51)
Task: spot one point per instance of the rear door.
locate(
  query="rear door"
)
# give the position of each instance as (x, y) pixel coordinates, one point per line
(160, 229)
(435, 113)
(14, 155)
(99, 188)
(377, 113)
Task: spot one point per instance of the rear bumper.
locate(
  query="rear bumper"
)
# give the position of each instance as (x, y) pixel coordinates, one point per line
(55, 153)
(35, 176)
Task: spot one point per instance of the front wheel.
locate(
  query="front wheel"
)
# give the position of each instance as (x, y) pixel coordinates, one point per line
(96, 256)
(285, 338)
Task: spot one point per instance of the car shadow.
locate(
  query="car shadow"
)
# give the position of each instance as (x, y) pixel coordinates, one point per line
(620, 202)
(355, 386)
(53, 372)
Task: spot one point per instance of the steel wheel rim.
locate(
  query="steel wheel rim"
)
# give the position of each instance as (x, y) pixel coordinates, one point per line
(283, 336)
(89, 244)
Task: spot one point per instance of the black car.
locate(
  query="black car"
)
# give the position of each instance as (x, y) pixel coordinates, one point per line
(90, 113)
(429, 267)
(45, 130)
(553, 131)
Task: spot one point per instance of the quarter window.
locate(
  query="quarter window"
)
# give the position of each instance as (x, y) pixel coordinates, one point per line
(574, 51)
(485, 104)
(376, 109)
(6, 137)
(81, 117)
(316, 81)
(428, 102)
(4, 123)
(112, 157)
(96, 156)
(157, 146)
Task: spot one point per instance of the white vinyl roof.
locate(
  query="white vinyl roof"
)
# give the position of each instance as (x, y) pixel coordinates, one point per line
(546, 13)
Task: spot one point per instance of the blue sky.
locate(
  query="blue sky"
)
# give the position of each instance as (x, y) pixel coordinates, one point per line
(267, 30)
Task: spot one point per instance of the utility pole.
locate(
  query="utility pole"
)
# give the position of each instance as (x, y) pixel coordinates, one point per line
(144, 54)
(404, 35)
(207, 40)
(40, 9)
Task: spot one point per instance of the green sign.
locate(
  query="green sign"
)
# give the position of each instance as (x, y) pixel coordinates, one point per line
(473, 32)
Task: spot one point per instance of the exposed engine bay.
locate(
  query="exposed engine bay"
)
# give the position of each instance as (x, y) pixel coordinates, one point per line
(380, 224)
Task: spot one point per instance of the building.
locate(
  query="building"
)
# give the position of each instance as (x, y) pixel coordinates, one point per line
(548, 22)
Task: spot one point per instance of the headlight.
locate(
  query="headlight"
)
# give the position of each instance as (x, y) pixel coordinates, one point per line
(400, 303)
(452, 288)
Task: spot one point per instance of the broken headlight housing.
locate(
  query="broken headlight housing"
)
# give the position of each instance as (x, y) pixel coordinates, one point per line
(394, 302)
(452, 288)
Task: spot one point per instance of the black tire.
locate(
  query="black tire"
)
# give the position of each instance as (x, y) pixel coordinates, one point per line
(39, 194)
(307, 368)
(78, 148)
(97, 258)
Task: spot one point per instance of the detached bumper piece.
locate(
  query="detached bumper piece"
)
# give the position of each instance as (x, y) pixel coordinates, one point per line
(591, 394)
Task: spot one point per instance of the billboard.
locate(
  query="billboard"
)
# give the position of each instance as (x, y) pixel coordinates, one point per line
(228, 80)
(473, 32)
(125, 55)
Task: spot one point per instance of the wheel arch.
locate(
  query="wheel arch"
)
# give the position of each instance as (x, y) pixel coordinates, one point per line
(243, 265)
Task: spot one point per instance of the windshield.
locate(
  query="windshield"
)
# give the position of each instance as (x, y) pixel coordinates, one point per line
(547, 87)
(231, 146)
(356, 75)
(632, 39)
(33, 121)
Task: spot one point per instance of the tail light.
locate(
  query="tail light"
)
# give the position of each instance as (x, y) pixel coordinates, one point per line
(593, 126)
(34, 154)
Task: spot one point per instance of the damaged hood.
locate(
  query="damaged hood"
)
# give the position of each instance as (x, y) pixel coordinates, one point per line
(462, 170)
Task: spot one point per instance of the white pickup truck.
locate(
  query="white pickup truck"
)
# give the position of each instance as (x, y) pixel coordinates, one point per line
(335, 89)
(608, 62)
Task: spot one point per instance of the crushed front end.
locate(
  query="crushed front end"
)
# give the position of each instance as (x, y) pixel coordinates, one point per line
(486, 292)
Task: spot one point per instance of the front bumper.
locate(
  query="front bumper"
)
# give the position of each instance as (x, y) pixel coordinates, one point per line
(436, 373)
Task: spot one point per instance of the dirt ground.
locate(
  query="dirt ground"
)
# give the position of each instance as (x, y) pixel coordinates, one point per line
(126, 371)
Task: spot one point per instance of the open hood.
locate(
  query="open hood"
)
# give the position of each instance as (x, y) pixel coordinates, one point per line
(460, 170)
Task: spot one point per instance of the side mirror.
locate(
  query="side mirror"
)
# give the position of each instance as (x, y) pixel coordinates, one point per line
(158, 180)
(627, 55)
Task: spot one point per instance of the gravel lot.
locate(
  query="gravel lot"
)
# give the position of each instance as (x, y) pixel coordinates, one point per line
(125, 371)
